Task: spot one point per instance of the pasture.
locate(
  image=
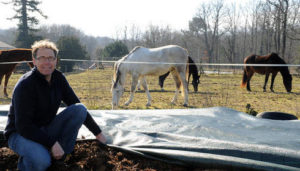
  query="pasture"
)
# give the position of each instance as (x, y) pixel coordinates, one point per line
(93, 88)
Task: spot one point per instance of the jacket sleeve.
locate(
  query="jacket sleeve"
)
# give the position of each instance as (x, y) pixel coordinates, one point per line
(69, 97)
(91, 124)
(24, 110)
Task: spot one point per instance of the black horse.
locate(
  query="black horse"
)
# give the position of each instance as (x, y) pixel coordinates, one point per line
(272, 58)
(193, 70)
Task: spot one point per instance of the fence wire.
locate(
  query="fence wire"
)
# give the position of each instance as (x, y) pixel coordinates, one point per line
(219, 86)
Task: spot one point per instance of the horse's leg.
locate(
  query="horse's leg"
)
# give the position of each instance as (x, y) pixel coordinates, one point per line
(1, 76)
(185, 88)
(135, 79)
(188, 82)
(180, 82)
(138, 85)
(177, 83)
(7, 76)
(272, 80)
(266, 81)
(161, 80)
(145, 86)
(250, 74)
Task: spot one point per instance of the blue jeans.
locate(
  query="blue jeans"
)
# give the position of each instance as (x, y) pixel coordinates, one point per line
(65, 127)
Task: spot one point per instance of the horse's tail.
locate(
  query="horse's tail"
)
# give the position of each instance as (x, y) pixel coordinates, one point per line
(244, 81)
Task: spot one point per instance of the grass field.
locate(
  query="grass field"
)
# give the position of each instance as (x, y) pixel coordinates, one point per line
(93, 88)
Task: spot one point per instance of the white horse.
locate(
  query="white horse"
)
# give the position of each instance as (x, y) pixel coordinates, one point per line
(142, 61)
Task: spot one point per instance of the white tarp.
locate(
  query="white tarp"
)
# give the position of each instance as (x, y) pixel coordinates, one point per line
(202, 137)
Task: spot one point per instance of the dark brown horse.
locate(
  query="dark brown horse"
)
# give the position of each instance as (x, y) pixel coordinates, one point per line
(272, 58)
(7, 65)
(193, 70)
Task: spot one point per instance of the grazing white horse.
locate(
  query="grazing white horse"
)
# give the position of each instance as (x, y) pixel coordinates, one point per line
(142, 61)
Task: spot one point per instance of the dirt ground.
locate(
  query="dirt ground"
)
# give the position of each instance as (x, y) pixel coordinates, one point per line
(90, 155)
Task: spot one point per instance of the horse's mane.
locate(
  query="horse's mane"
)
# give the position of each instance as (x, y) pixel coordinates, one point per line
(284, 70)
(277, 58)
(117, 73)
(133, 50)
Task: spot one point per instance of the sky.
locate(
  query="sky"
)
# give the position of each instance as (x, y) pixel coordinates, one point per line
(108, 17)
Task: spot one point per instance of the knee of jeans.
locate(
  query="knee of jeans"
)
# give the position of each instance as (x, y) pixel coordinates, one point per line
(81, 110)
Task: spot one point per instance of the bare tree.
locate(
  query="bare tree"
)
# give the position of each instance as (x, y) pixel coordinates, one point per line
(294, 17)
(281, 8)
(157, 36)
(135, 34)
(206, 25)
(151, 36)
(231, 37)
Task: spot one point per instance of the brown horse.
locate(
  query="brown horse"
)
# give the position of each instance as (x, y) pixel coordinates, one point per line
(13, 55)
(272, 58)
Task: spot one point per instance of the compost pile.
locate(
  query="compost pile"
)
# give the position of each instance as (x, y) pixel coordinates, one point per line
(90, 155)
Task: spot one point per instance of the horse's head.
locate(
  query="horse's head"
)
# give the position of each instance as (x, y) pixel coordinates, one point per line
(287, 81)
(117, 92)
(196, 82)
(117, 88)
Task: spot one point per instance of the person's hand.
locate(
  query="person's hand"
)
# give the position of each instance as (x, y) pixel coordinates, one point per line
(57, 151)
(101, 138)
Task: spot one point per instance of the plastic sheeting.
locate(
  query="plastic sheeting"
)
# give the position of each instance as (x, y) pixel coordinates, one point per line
(210, 137)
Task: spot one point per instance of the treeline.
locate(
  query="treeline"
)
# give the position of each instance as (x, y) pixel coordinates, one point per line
(219, 32)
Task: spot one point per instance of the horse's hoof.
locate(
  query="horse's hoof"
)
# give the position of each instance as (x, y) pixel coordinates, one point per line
(148, 105)
(185, 105)
(126, 104)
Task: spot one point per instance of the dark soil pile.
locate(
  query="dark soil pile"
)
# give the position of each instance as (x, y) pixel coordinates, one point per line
(90, 155)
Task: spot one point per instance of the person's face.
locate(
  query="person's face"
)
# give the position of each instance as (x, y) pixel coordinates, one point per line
(45, 61)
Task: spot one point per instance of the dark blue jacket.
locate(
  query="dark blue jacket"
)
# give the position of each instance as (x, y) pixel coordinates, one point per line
(35, 103)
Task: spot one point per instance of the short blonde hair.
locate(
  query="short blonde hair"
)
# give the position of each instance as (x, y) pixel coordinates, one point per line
(43, 44)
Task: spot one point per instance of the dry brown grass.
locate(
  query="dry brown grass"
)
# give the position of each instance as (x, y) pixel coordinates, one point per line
(93, 88)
